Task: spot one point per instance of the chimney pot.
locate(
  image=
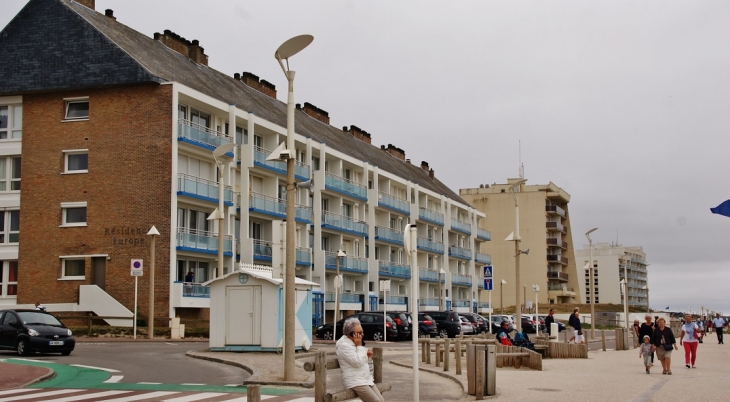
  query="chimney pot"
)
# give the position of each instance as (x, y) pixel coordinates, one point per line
(316, 113)
(430, 174)
(344, 128)
(262, 86)
(195, 42)
(298, 106)
(237, 76)
(109, 13)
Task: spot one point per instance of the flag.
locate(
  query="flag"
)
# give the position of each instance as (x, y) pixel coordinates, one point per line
(666, 308)
(722, 209)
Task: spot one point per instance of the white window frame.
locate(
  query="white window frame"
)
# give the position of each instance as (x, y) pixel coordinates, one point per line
(14, 127)
(72, 277)
(6, 230)
(69, 101)
(8, 179)
(65, 206)
(68, 153)
(5, 282)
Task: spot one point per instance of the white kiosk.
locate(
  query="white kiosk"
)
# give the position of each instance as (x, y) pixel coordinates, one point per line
(247, 311)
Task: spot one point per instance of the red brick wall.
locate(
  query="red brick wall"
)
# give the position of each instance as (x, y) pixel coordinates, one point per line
(129, 138)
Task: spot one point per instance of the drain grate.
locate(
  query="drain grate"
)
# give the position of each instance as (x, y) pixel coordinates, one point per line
(545, 389)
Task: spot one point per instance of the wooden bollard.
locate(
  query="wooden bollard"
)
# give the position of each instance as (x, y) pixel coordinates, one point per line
(320, 375)
(428, 352)
(423, 352)
(378, 365)
(438, 353)
(457, 357)
(447, 352)
(253, 393)
(491, 368)
(603, 339)
(479, 372)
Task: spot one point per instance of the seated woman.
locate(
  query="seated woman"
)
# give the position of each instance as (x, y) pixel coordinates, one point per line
(503, 334)
(353, 358)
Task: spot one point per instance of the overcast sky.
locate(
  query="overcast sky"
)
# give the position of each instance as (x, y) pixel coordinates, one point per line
(623, 104)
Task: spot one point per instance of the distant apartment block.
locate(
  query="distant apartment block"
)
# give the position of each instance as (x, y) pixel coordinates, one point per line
(611, 264)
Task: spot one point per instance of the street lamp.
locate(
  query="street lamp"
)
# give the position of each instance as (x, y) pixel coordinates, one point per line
(536, 288)
(515, 237)
(218, 214)
(624, 289)
(283, 53)
(590, 279)
(645, 287)
(441, 272)
(338, 286)
(501, 296)
(151, 321)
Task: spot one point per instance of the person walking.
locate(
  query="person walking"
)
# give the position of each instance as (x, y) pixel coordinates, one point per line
(663, 342)
(549, 320)
(690, 337)
(574, 321)
(701, 326)
(647, 329)
(719, 323)
(353, 358)
(637, 338)
(646, 353)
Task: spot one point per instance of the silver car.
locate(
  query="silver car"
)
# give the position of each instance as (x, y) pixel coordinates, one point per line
(466, 327)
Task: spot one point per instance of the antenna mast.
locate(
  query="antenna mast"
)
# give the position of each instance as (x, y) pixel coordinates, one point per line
(522, 167)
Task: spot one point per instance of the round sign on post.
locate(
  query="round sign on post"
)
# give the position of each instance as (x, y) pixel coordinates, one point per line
(137, 266)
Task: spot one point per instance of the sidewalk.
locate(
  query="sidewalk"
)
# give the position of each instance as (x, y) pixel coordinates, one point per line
(18, 375)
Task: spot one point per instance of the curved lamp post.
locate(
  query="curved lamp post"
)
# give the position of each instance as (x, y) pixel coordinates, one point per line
(515, 237)
(338, 287)
(590, 279)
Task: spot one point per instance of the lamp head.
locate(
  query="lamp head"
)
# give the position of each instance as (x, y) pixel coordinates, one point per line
(341, 253)
(588, 234)
(504, 282)
(223, 149)
(293, 46)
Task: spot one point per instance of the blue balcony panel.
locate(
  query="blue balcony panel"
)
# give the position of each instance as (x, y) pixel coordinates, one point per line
(428, 215)
(426, 244)
(392, 202)
(390, 235)
(345, 186)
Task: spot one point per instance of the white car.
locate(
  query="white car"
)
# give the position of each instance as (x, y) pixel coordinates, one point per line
(466, 327)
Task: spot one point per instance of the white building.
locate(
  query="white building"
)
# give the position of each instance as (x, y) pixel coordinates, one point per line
(612, 263)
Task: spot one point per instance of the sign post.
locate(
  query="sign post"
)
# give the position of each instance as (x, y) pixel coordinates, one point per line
(385, 287)
(136, 266)
(488, 285)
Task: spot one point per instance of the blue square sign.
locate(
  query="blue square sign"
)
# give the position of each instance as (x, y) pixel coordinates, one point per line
(487, 283)
(487, 271)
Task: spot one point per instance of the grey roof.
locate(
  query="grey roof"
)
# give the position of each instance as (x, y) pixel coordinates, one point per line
(60, 44)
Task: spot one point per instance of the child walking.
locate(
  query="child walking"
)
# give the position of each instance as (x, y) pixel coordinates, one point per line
(645, 352)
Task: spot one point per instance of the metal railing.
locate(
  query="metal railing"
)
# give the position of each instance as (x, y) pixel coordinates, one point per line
(394, 300)
(202, 240)
(459, 279)
(555, 225)
(557, 275)
(460, 252)
(388, 268)
(484, 234)
(483, 304)
(388, 234)
(431, 216)
(424, 243)
(461, 303)
(393, 202)
(267, 204)
(346, 186)
(428, 301)
(303, 212)
(429, 275)
(200, 134)
(344, 297)
(482, 258)
(347, 263)
(461, 226)
(303, 255)
(191, 289)
(199, 187)
(261, 248)
(344, 223)
(555, 209)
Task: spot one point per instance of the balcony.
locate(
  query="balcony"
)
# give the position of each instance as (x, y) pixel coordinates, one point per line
(461, 280)
(261, 250)
(347, 264)
(484, 234)
(557, 242)
(426, 244)
(302, 213)
(201, 136)
(267, 205)
(429, 215)
(482, 304)
(303, 256)
(561, 276)
(460, 226)
(428, 301)
(200, 241)
(560, 290)
(344, 297)
(429, 275)
(302, 171)
(553, 226)
(383, 233)
(394, 269)
(345, 186)
(195, 290)
(552, 258)
(394, 300)
(482, 258)
(460, 252)
(202, 189)
(189, 295)
(397, 204)
(344, 224)
(461, 303)
(554, 209)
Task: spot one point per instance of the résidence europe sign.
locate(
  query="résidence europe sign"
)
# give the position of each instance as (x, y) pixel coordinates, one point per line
(126, 236)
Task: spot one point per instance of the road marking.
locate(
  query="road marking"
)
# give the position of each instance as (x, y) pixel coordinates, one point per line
(114, 379)
(15, 391)
(150, 383)
(96, 368)
(196, 397)
(231, 385)
(153, 395)
(90, 396)
(245, 399)
(191, 383)
(32, 360)
(649, 394)
(42, 394)
(171, 344)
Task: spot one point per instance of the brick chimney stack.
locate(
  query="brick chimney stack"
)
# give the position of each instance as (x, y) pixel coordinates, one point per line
(88, 3)
(358, 133)
(192, 50)
(397, 152)
(316, 112)
(430, 174)
(254, 82)
(197, 53)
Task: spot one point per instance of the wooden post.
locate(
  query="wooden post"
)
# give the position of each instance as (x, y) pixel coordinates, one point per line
(90, 321)
(603, 339)
(428, 352)
(447, 350)
(491, 368)
(423, 352)
(438, 353)
(320, 375)
(479, 372)
(457, 357)
(253, 393)
(378, 365)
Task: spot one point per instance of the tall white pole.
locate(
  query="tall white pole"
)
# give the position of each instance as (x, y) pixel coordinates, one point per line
(490, 310)
(338, 285)
(151, 319)
(414, 303)
(289, 292)
(518, 306)
(135, 307)
(626, 295)
(385, 315)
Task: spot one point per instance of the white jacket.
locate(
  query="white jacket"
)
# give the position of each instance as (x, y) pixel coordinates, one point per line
(353, 363)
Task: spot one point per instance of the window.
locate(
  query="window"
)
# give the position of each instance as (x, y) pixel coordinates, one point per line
(74, 213)
(9, 226)
(200, 118)
(76, 161)
(315, 163)
(73, 268)
(10, 173)
(11, 122)
(77, 109)
(8, 278)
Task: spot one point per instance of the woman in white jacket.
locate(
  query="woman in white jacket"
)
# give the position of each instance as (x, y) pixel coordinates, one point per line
(353, 358)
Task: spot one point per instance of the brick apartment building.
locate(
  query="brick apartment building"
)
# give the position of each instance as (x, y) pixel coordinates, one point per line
(117, 131)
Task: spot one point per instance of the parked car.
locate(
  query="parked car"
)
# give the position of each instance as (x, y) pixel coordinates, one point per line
(28, 331)
(448, 323)
(427, 326)
(477, 321)
(540, 319)
(497, 323)
(372, 327)
(466, 327)
(402, 323)
(528, 325)
(561, 325)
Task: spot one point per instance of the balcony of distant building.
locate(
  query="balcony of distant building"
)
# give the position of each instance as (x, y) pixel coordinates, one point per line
(395, 203)
(431, 216)
(345, 186)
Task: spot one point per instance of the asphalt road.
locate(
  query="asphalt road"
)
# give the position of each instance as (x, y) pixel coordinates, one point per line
(157, 362)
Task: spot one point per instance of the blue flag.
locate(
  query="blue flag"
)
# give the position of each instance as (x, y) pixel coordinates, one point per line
(666, 308)
(722, 209)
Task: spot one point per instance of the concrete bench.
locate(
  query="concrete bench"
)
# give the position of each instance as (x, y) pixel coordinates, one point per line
(320, 366)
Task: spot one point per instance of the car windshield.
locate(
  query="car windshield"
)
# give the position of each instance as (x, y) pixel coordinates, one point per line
(38, 318)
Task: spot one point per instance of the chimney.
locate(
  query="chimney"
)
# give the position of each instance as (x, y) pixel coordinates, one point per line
(358, 133)
(191, 50)
(110, 13)
(316, 112)
(262, 86)
(88, 3)
(430, 174)
(424, 165)
(397, 152)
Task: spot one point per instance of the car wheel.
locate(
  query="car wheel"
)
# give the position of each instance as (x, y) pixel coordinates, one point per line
(443, 333)
(22, 347)
(66, 353)
(327, 335)
(378, 336)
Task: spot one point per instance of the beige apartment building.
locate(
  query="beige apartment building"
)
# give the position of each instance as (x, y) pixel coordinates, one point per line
(544, 230)
(611, 264)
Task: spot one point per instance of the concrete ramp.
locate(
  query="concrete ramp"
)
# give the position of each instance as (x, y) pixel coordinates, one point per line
(93, 298)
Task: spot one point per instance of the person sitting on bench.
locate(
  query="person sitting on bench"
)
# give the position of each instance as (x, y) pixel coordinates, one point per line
(353, 358)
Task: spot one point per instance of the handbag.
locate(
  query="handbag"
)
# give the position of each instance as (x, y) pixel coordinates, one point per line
(668, 347)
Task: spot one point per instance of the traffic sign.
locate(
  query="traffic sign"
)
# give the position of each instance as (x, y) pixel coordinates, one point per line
(487, 283)
(487, 271)
(137, 266)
